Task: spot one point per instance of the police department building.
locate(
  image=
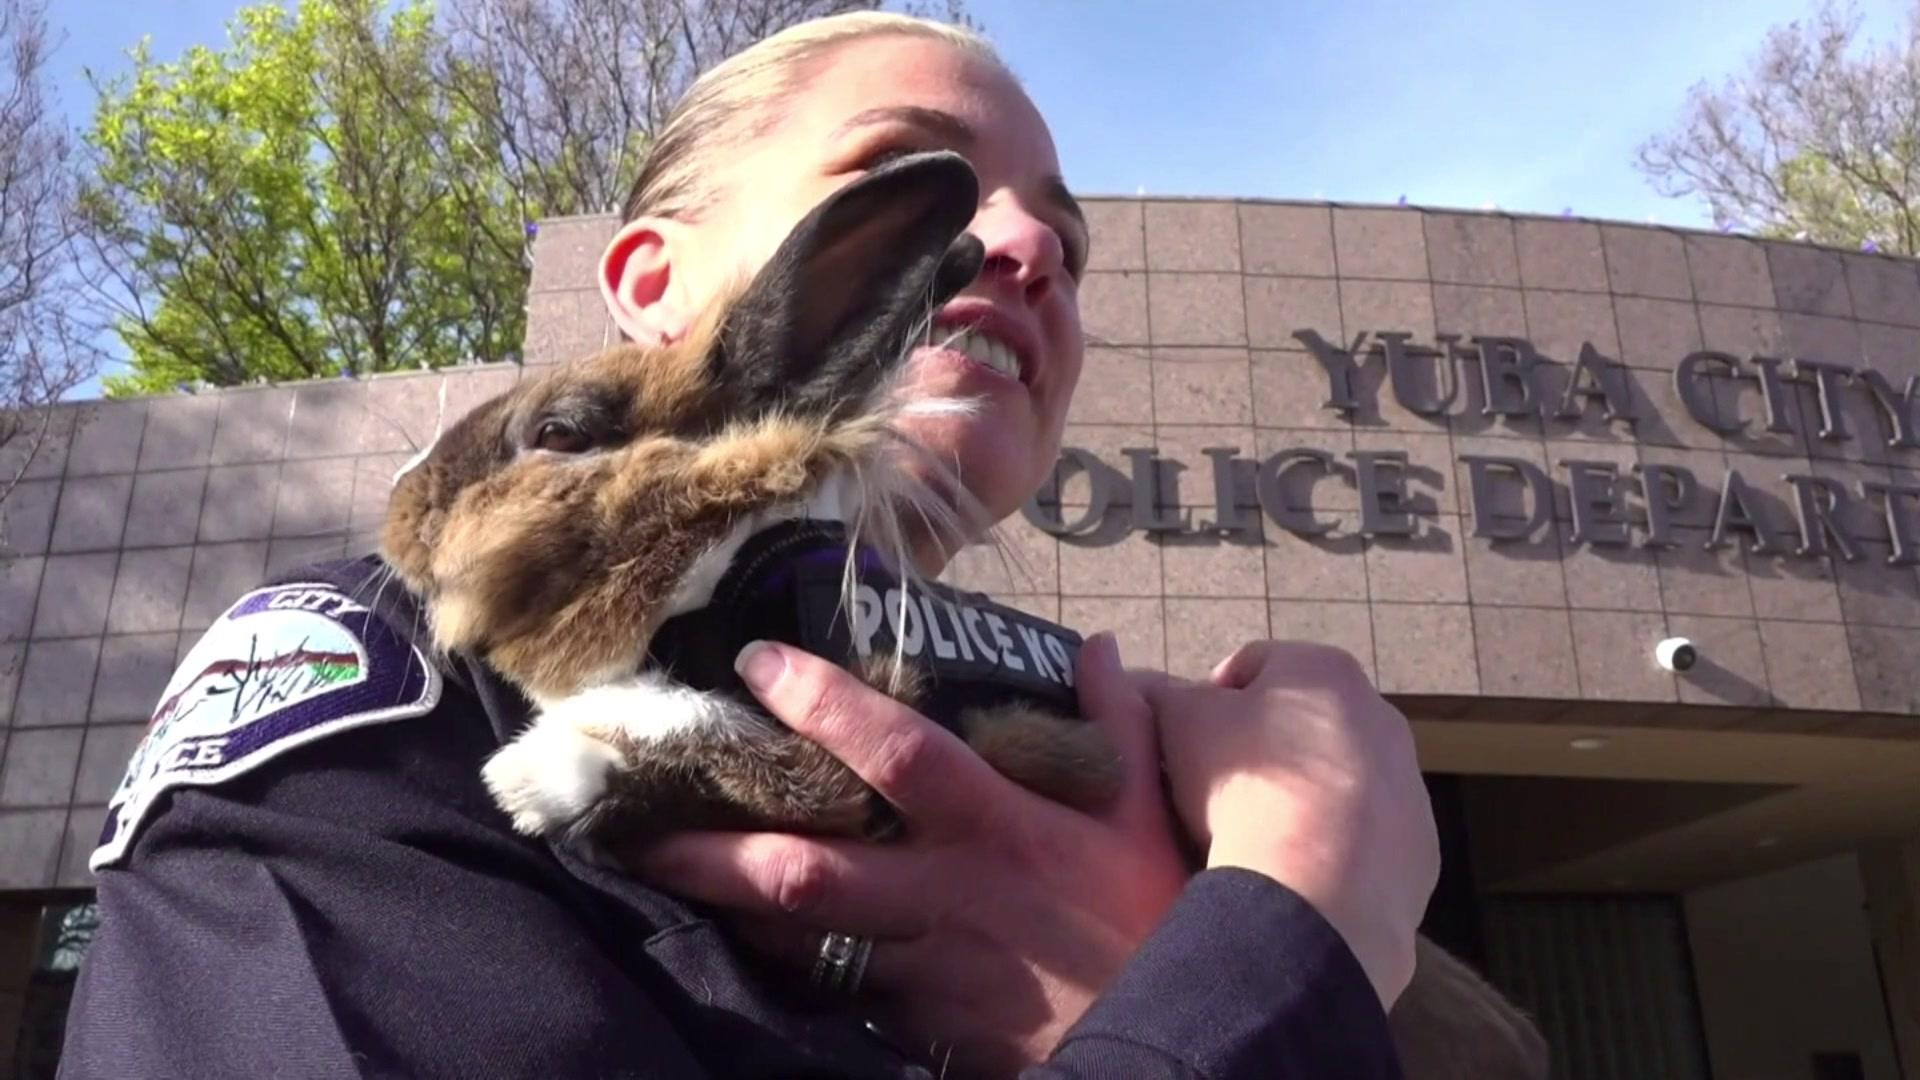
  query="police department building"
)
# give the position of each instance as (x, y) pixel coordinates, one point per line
(1626, 519)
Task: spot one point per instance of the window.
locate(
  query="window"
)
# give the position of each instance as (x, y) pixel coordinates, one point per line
(66, 929)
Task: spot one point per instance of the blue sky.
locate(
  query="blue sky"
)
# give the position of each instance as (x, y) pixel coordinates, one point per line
(1531, 105)
(1527, 105)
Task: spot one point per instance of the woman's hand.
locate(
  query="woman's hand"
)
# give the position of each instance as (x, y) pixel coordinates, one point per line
(1288, 762)
(1000, 916)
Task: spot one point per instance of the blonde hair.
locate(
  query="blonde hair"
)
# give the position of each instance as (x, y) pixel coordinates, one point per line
(733, 102)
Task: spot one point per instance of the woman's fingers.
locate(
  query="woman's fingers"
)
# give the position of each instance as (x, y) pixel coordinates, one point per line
(1110, 697)
(851, 887)
(924, 770)
(1263, 665)
(1246, 663)
(794, 948)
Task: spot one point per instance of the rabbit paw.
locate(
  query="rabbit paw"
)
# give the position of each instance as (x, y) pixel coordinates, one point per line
(550, 775)
(561, 765)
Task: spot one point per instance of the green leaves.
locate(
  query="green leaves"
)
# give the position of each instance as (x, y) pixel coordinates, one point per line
(273, 208)
(345, 185)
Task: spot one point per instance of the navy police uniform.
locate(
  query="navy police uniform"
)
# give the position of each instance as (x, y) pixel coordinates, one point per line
(302, 875)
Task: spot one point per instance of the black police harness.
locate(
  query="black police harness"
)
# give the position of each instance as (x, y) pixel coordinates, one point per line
(788, 583)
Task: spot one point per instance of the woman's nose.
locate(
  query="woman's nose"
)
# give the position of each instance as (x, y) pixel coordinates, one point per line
(1022, 250)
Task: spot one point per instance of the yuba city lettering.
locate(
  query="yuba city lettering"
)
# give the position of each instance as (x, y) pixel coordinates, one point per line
(1794, 513)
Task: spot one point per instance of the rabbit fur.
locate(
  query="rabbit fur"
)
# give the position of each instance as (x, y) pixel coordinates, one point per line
(555, 528)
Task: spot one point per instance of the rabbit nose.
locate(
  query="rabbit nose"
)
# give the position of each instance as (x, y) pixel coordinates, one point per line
(962, 264)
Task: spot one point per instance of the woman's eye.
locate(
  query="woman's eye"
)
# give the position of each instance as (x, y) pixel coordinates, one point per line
(876, 158)
(561, 438)
(1076, 255)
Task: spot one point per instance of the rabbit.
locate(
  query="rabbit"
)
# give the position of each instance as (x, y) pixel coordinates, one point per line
(570, 530)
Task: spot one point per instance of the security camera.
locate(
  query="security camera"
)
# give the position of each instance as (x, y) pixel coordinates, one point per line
(1676, 654)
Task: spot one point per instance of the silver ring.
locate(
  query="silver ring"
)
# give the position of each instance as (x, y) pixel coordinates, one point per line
(841, 963)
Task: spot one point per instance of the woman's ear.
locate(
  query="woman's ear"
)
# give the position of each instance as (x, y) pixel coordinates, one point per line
(639, 284)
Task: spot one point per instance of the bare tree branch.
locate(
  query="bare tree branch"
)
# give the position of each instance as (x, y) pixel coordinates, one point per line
(1819, 139)
(45, 349)
(570, 92)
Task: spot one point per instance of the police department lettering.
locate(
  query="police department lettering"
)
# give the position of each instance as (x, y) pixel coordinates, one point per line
(955, 630)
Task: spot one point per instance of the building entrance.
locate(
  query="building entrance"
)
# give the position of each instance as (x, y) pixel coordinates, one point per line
(1684, 903)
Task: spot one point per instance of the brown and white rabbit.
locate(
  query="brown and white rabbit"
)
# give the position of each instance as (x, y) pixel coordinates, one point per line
(557, 529)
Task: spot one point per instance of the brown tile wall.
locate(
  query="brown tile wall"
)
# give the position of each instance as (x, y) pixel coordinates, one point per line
(1444, 612)
(144, 518)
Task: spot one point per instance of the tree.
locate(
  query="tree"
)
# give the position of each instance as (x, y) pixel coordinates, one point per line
(351, 187)
(1819, 140)
(569, 93)
(273, 210)
(45, 350)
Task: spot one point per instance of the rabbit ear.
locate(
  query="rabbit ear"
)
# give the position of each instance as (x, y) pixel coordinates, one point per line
(830, 314)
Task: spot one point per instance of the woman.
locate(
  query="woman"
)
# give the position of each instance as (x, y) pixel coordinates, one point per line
(357, 908)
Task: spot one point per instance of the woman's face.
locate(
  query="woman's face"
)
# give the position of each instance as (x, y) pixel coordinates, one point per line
(881, 97)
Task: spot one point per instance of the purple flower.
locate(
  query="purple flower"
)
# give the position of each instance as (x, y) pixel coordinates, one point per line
(1870, 246)
(533, 228)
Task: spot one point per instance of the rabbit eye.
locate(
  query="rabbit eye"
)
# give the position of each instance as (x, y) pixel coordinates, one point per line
(561, 438)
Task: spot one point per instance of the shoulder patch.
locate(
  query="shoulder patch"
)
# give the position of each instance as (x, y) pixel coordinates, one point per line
(284, 666)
